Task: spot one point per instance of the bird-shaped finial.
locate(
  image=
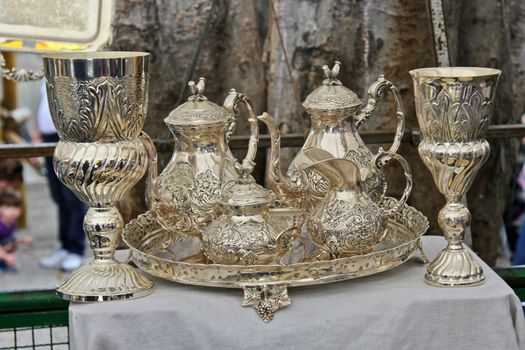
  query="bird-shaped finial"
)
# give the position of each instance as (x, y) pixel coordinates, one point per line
(197, 89)
(335, 70)
(331, 74)
(326, 71)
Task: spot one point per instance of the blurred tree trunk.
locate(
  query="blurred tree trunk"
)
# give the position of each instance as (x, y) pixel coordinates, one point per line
(483, 39)
(170, 31)
(370, 37)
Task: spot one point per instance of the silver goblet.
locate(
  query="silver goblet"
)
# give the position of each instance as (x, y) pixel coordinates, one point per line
(98, 103)
(453, 107)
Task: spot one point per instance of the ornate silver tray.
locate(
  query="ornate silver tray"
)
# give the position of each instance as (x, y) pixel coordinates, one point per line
(42, 26)
(179, 259)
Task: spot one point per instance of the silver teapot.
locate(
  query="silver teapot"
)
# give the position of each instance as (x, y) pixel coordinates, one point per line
(336, 117)
(188, 189)
(249, 231)
(347, 221)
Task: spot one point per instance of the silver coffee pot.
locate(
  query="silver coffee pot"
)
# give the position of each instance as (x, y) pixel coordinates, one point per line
(336, 116)
(188, 189)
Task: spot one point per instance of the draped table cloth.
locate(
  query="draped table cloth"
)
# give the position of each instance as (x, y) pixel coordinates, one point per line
(395, 309)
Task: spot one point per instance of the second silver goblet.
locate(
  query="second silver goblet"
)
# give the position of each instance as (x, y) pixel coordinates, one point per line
(453, 107)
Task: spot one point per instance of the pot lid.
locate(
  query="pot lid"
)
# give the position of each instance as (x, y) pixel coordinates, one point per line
(245, 192)
(332, 95)
(198, 110)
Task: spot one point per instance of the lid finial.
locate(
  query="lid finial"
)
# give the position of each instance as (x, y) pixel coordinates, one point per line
(332, 96)
(331, 74)
(197, 90)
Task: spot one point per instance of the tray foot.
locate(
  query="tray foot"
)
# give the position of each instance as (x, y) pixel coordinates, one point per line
(266, 299)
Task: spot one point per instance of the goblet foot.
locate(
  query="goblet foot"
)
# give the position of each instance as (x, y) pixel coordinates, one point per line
(454, 267)
(104, 281)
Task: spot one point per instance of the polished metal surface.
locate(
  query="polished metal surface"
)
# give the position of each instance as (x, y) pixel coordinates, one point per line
(454, 106)
(97, 96)
(246, 233)
(182, 261)
(336, 118)
(347, 221)
(191, 184)
(98, 103)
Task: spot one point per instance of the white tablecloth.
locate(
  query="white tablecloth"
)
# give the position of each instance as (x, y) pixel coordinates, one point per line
(391, 310)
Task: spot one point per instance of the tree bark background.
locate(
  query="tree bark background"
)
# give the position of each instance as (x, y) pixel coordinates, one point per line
(242, 50)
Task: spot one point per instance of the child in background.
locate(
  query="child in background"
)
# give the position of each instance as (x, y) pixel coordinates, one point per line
(10, 210)
(11, 175)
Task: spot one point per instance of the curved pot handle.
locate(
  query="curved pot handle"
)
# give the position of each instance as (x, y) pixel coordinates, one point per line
(379, 160)
(376, 93)
(167, 216)
(231, 103)
(153, 170)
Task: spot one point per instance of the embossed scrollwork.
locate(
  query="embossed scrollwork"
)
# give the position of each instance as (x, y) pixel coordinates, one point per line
(446, 119)
(102, 109)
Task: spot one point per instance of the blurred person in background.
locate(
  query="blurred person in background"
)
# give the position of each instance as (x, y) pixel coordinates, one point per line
(11, 175)
(10, 211)
(71, 210)
(515, 209)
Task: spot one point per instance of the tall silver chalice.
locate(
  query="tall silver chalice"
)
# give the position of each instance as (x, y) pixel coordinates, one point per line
(453, 107)
(98, 103)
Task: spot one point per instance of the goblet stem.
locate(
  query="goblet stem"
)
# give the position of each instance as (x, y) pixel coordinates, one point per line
(103, 226)
(454, 266)
(104, 278)
(100, 174)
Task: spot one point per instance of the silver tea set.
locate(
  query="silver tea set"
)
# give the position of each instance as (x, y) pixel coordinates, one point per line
(332, 196)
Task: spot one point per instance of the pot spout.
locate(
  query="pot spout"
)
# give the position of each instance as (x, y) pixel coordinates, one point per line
(280, 184)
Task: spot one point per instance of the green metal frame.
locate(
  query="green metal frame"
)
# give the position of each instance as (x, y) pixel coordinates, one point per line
(515, 277)
(30, 310)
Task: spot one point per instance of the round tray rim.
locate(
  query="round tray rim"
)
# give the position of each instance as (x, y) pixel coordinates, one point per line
(239, 276)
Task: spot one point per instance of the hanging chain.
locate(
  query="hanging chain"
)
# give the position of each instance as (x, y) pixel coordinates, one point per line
(19, 75)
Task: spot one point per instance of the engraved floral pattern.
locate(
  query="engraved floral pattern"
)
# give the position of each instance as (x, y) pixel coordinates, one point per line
(315, 186)
(340, 226)
(459, 113)
(102, 109)
(329, 102)
(245, 242)
(265, 285)
(373, 179)
(193, 194)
